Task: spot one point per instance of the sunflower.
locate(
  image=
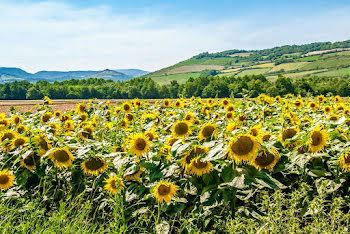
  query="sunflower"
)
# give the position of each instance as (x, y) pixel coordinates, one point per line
(21, 129)
(216, 116)
(139, 143)
(167, 102)
(81, 108)
(43, 144)
(83, 117)
(230, 108)
(312, 106)
(57, 113)
(339, 108)
(318, 139)
(195, 152)
(134, 175)
(327, 109)
(47, 100)
(94, 166)
(45, 118)
(54, 127)
(65, 117)
(171, 141)
(266, 136)
(255, 131)
(61, 157)
(69, 125)
(165, 152)
(7, 179)
(231, 127)
(225, 102)
(6, 139)
(178, 104)
(87, 132)
(18, 141)
(243, 147)
(126, 107)
(192, 98)
(346, 112)
(30, 161)
(129, 117)
(288, 134)
(4, 123)
(205, 109)
(344, 161)
(16, 120)
(199, 167)
(298, 103)
(229, 116)
(207, 131)
(320, 99)
(337, 99)
(189, 117)
(278, 98)
(152, 134)
(165, 191)
(241, 118)
(265, 159)
(181, 129)
(114, 184)
(333, 117)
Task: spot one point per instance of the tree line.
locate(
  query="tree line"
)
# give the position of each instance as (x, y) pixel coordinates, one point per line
(204, 86)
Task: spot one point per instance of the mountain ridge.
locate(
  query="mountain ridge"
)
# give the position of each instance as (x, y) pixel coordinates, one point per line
(9, 74)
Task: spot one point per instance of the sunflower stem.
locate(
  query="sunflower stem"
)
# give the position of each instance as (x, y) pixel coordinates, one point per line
(158, 216)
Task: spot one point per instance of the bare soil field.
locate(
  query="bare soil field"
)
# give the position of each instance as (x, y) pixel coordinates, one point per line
(62, 105)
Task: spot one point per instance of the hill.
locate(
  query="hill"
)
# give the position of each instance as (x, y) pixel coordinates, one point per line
(324, 59)
(9, 74)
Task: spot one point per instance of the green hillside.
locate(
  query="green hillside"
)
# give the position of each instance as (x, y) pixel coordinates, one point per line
(323, 59)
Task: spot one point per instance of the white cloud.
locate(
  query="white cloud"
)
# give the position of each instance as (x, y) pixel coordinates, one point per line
(57, 36)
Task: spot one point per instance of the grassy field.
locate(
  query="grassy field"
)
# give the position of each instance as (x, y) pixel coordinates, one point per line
(335, 73)
(181, 78)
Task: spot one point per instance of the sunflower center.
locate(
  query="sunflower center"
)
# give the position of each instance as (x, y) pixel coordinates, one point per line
(4, 179)
(94, 164)
(254, 132)
(230, 108)
(347, 158)
(150, 136)
(242, 146)
(242, 117)
(333, 118)
(316, 138)
(289, 133)
(199, 164)
(163, 190)
(265, 159)
(208, 131)
(19, 142)
(193, 154)
(46, 118)
(130, 117)
(43, 144)
(166, 103)
(16, 120)
(31, 159)
(20, 129)
(181, 128)
(225, 102)
(61, 156)
(7, 136)
(229, 115)
(140, 144)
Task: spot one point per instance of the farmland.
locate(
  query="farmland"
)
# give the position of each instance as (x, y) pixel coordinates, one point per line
(265, 163)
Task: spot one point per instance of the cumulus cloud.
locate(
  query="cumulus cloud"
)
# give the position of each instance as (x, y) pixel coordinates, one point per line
(60, 36)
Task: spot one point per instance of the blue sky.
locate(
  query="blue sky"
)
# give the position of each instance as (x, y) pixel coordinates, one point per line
(93, 35)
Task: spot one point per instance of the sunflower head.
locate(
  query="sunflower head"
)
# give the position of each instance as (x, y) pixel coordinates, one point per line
(231, 127)
(189, 117)
(333, 117)
(94, 166)
(229, 115)
(21, 129)
(16, 120)
(344, 161)
(61, 157)
(265, 159)
(255, 131)
(181, 129)
(42, 143)
(6, 139)
(196, 151)
(19, 141)
(287, 134)
(230, 108)
(318, 139)
(129, 117)
(243, 147)
(87, 133)
(337, 99)
(313, 105)
(45, 118)
(171, 141)
(81, 108)
(199, 167)
(327, 109)
(4, 123)
(113, 184)
(225, 102)
(164, 191)
(207, 131)
(135, 175)
(7, 179)
(69, 125)
(57, 113)
(320, 99)
(298, 103)
(139, 144)
(152, 134)
(241, 118)
(167, 102)
(30, 161)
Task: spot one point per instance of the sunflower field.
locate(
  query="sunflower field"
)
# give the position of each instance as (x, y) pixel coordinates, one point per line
(181, 166)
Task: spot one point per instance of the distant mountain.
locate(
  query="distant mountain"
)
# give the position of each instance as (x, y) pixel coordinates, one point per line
(9, 74)
(111, 75)
(133, 72)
